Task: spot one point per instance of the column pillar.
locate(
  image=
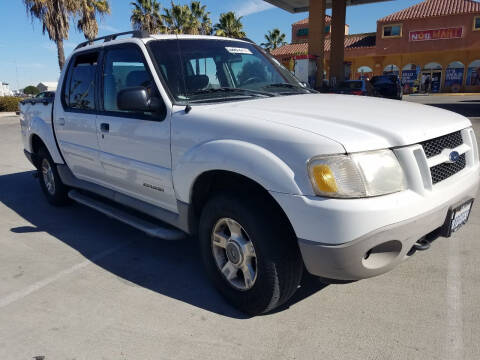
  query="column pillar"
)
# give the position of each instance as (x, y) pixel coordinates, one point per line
(316, 36)
(337, 51)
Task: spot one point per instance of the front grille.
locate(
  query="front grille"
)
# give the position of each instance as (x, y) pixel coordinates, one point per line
(435, 146)
(443, 171)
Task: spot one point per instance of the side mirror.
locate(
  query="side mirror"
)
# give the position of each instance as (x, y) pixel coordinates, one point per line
(138, 99)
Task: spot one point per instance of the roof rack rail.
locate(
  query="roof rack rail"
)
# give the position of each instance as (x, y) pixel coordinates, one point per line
(136, 34)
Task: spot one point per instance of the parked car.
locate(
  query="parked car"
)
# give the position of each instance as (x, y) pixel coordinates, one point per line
(209, 137)
(45, 97)
(387, 86)
(354, 87)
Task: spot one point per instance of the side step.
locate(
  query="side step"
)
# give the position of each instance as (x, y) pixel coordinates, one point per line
(147, 227)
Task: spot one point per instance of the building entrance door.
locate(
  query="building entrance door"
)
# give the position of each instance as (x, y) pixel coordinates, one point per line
(431, 81)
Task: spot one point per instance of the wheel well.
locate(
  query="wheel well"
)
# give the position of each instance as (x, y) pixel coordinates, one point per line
(211, 182)
(37, 143)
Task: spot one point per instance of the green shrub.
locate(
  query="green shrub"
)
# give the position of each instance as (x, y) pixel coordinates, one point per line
(9, 103)
(31, 90)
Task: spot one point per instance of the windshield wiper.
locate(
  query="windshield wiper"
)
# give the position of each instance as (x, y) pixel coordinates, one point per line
(288, 86)
(233, 90)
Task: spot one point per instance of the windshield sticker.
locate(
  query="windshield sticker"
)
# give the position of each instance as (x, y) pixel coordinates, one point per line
(237, 50)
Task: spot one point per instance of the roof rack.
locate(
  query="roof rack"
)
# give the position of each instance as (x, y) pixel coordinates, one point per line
(135, 34)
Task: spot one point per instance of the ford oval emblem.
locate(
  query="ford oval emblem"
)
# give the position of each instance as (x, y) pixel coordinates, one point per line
(454, 156)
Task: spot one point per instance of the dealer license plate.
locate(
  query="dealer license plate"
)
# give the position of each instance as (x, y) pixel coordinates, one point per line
(459, 216)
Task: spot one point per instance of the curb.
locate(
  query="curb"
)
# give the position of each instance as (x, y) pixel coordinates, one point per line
(446, 94)
(7, 114)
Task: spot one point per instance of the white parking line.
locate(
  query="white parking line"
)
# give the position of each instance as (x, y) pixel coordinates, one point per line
(454, 331)
(17, 295)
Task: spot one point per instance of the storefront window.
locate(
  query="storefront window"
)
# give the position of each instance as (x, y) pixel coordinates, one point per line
(476, 23)
(391, 70)
(473, 74)
(410, 78)
(454, 76)
(390, 31)
(364, 73)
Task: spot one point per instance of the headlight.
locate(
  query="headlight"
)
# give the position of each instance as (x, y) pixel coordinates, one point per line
(357, 175)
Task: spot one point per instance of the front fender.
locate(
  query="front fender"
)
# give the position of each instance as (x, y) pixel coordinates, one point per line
(249, 160)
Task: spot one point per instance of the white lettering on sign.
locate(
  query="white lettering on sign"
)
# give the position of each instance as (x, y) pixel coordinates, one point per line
(237, 50)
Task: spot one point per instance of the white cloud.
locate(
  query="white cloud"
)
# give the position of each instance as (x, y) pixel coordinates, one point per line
(249, 7)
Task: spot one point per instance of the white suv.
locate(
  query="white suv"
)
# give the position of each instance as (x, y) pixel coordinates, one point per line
(215, 138)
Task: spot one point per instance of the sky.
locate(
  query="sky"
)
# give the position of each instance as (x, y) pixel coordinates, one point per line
(28, 57)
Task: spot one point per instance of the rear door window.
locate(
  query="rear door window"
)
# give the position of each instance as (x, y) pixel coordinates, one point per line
(80, 90)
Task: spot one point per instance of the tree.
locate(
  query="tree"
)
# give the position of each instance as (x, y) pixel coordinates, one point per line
(146, 16)
(200, 18)
(184, 19)
(229, 25)
(274, 39)
(87, 11)
(178, 19)
(54, 16)
(31, 90)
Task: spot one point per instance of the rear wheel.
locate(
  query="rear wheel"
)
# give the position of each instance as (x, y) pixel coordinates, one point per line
(249, 253)
(50, 182)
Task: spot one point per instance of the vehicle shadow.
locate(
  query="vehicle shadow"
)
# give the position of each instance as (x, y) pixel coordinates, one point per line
(171, 269)
(469, 108)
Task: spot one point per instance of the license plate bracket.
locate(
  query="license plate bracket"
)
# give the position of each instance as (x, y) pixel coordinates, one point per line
(457, 217)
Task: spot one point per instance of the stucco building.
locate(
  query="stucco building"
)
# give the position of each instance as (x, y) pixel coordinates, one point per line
(436, 38)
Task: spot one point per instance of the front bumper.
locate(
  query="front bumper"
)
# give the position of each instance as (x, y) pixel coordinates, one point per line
(335, 235)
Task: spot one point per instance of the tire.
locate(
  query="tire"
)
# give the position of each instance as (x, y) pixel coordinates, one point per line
(57, 194)
(277, 265)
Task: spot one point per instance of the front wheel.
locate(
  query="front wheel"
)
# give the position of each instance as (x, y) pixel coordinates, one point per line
(50, 182)
(249, 253)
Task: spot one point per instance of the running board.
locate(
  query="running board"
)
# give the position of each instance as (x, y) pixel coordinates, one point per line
(147, 227)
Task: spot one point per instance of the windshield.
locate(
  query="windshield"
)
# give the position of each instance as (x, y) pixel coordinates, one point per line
(206, 70)
(350, 85)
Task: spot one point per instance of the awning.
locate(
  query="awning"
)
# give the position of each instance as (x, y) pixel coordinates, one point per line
(296, 6)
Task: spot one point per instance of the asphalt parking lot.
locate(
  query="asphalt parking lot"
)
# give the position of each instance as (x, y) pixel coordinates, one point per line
(75, 284)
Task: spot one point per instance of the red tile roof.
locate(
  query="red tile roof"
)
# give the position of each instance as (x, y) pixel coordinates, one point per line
(328, 19)
(351, 42)
(291, 49)
(429, 8)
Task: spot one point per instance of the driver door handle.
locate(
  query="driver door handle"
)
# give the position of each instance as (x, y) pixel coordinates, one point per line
(104, 127)
(61, 121)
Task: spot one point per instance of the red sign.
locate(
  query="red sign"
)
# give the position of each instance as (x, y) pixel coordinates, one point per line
(437, 34)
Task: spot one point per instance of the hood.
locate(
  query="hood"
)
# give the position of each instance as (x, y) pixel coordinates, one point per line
(359, 123)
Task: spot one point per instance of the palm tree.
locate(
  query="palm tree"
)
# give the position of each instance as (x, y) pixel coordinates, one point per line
(87, 10)
(200, 19)
(274, 39)
(54, 16)
(146, 16)
(230, 26)
(178, 19)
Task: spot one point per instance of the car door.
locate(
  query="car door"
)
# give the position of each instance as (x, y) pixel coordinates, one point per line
(135, 145)
(75, 117)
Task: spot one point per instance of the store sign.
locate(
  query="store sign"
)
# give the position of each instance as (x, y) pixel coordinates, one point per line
(437, 34)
